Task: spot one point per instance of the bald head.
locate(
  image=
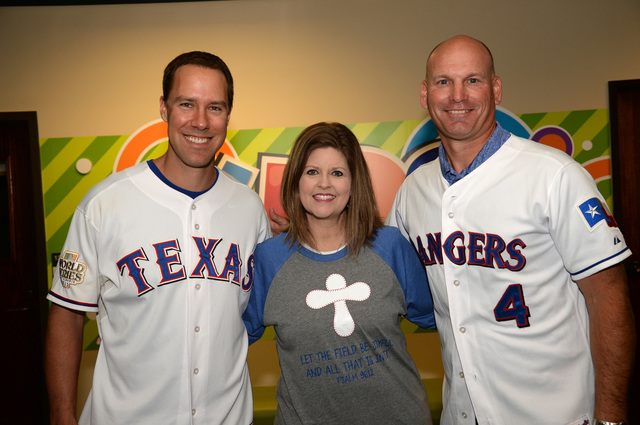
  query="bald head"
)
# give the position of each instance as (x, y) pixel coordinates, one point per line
(461, 92)
(463, 43)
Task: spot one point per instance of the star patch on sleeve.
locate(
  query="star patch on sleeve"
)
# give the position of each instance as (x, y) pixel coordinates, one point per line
(594, 212)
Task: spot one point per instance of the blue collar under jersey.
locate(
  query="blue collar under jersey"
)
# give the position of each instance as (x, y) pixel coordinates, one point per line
(497, 139)
(189, 193)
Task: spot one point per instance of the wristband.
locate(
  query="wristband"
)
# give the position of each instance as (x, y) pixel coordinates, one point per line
(599, 422)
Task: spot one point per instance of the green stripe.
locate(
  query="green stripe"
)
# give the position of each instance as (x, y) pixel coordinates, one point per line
(70, 178)
(56, 241)
(532, 120)
(284, 141)
(242, 139)
(381, 133)
(60, 188)
(602, 140)
(600, 146)
(96, 150)
(155, 152)
(50, 148)
(575, 120)
(606, 189)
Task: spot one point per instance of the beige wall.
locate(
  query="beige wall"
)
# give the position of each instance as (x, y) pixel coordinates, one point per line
(96, 70)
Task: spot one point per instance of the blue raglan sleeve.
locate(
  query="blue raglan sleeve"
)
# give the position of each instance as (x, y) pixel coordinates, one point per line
(405, 262)
(268, 257)
(253, 315)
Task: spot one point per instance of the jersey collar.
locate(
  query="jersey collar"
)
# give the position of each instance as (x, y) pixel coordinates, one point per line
(497, 139)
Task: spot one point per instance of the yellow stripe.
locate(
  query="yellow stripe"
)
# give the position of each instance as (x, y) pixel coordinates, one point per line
(397, 140)
(552, 118)
(362, 131)
(590, 129)
(66, 207)
(261, 143)
(63, 160)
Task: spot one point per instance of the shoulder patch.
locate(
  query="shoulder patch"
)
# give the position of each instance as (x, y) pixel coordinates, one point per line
(70, 269)
(595, 212)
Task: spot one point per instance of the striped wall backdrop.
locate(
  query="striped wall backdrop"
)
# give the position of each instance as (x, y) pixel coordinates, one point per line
(71, 166)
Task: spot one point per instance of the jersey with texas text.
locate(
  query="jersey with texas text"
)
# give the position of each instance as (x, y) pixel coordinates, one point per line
(168, 276)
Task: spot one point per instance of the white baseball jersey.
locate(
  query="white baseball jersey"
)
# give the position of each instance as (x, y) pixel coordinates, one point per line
(168, 276)
(503, 248)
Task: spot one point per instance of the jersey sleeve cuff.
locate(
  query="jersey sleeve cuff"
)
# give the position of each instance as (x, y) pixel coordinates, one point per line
(601, 265)
(72, 304)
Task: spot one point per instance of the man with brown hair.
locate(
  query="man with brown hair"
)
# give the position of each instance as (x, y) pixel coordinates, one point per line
(156, 251)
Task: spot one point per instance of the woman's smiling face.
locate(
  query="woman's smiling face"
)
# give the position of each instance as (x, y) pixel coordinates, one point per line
(325, 185)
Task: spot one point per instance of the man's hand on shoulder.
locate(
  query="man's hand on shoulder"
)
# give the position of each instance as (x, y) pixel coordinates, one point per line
(278, 222)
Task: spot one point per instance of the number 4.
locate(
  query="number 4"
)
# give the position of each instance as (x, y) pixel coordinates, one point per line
(512, 307)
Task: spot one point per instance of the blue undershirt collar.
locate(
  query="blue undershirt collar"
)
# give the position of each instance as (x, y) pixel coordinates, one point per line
(495, 142)
(189, 193)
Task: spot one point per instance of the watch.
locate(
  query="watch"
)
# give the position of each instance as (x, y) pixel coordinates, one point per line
(599, 422)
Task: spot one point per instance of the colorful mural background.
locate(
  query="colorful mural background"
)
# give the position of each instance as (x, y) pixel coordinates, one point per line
(71, 166)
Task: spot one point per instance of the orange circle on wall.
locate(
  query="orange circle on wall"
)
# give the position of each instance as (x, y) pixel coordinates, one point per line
(555, 141)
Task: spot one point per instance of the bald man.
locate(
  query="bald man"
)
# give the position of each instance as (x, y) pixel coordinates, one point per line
(523, 259)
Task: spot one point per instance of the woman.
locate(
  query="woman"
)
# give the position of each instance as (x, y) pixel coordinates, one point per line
(335, 287)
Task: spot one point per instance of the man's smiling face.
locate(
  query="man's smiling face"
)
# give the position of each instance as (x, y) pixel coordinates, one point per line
(461, 91)
(197, 114)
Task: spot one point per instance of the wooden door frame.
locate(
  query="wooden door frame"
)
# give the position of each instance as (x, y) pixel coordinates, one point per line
(624, 128)
(618, 180)
(39, 270)
(30, 117)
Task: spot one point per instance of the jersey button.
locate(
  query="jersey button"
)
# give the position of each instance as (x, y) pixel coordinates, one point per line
(196, 371)
(193, 207)
(463, 329)
(461, 374)
(197, 226)
(464, 415)
(193, 412)
(198, 286)
(451, 215)
(456, 282)
(197, 329)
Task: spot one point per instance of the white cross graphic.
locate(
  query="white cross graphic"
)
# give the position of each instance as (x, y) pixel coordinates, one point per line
(338, 293)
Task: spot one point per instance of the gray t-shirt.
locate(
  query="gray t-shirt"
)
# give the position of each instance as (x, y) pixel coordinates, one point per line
(343, 355)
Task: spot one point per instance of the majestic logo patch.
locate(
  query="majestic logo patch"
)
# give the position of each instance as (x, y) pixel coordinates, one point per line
(338, 293)
(70, 269)
(594, 212)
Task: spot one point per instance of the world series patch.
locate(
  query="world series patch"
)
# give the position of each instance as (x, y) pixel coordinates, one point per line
(71, 270)
(594, 212)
